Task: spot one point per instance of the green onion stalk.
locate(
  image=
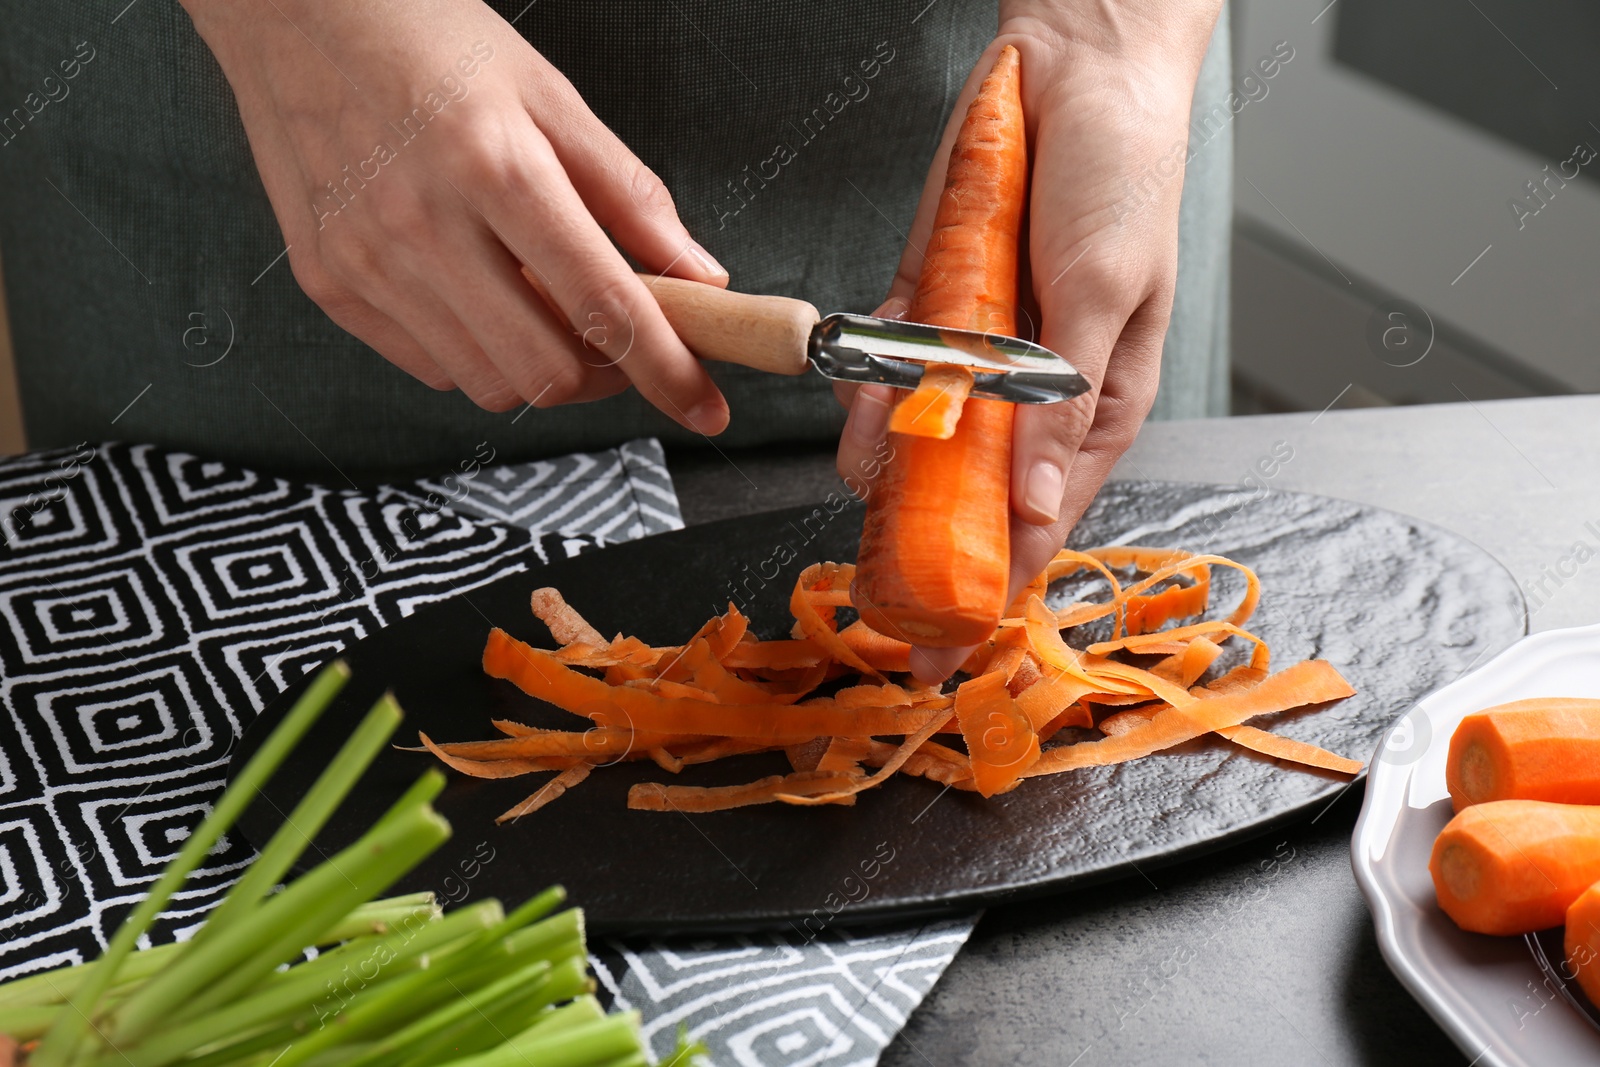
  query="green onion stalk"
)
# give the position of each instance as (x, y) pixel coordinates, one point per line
(396, 982)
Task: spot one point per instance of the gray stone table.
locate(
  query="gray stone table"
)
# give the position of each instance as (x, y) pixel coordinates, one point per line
(1264, 953)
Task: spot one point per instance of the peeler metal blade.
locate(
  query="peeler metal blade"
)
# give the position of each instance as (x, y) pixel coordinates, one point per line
(860, 348)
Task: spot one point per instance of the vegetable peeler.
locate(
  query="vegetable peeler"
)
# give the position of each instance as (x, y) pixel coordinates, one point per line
(782, 335)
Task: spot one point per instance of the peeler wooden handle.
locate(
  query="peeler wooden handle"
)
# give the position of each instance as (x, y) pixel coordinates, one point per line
(768, 333)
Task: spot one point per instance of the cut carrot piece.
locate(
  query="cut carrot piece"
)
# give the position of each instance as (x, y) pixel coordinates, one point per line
(1541, 749)
(934, 408)
(1515, 866)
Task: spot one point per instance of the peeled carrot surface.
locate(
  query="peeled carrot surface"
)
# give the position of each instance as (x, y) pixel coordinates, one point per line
(829, 696)
(1582, 942)
(1515, 866)
(1541, 749)
(935, 544)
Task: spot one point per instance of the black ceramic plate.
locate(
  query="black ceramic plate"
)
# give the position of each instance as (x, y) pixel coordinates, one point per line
(1399, 606)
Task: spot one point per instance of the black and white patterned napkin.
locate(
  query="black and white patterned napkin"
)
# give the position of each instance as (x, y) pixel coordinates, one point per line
(152, 603)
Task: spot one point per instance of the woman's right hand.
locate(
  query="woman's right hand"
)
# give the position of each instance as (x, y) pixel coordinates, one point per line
(417, 156)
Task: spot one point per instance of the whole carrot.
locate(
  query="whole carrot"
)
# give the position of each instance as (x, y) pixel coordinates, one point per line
(935, 547)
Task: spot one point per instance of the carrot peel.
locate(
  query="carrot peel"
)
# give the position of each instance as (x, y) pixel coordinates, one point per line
(934, 408)
(723, 694)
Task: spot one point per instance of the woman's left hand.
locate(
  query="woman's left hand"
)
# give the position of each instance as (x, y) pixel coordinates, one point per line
(1106, 90)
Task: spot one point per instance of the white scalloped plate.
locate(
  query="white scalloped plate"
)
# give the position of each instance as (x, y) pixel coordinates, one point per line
(1486, 992)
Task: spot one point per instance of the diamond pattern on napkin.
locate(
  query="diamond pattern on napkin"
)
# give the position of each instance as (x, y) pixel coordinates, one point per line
(772, 999)
(152, 603)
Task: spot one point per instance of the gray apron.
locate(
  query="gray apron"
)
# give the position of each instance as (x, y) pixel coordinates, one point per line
(148, 302)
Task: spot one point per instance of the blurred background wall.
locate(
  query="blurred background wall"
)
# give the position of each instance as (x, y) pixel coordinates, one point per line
(1388, 245)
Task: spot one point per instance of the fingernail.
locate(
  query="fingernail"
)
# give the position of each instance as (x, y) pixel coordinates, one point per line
(707, 264)
(896, 307)
(869, 420)
(708, 417)
(1045, 486)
